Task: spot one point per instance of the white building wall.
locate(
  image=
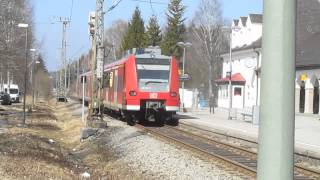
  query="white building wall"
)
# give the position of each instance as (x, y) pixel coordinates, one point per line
(245, 35)
(245, 63)
(309, 89)
(223, 96)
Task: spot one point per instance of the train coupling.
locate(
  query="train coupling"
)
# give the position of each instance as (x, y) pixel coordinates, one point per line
(155, 105)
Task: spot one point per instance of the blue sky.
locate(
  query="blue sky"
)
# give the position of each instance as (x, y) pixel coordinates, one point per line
(48, 30)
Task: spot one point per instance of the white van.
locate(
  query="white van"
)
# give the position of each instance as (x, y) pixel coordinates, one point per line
(14, 92)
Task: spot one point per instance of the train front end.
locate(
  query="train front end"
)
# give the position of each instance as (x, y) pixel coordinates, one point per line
(154, 90)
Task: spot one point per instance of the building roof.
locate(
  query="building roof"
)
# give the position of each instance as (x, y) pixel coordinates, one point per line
(256, 18)
(308, 53)
(236, 22)
(235, 78)
(244, 21)
(255, 44)
(307, 34)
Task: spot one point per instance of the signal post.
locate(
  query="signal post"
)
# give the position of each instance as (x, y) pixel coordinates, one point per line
(96, 29)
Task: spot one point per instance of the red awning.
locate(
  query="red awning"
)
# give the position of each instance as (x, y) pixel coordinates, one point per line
(235, 78)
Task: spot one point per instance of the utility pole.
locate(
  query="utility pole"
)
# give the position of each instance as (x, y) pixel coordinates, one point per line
(1, 84)
(62, 90)
(8, 82)
(277, 112)
(77, 80)
(69, 74)
(95, 110)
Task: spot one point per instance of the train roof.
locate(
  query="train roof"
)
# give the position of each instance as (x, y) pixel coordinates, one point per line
(116, 63)
(154, 56)
(145, 55)
(140, 56)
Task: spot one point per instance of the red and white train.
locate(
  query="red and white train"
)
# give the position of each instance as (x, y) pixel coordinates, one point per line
(141, 87)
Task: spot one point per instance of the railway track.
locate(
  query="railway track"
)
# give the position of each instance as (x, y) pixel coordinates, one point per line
(240, 160)
(251, 145)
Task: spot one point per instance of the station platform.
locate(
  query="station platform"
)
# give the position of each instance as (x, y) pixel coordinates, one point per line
(307, 128)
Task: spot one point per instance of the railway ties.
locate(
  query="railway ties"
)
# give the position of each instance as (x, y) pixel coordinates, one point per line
(238, 157)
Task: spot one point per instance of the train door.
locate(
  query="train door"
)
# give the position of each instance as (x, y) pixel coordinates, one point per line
(120, 85)
(115, 90)
(106, 79)
(111, 89)
(316, 97)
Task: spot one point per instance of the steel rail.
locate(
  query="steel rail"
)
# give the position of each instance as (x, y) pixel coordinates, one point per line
(251, 172)
(299, 168)
(242, 139)
(300, 172)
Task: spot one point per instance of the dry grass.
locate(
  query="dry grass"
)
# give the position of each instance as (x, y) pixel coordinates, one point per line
(25, 153)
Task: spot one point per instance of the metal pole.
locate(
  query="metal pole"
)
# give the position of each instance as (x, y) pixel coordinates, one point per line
(65, 61)
(8, 82)
(32, 79)
(276, 131)
(69, 74)
(230, 80)
(82, 98)
(257, 76)
(57, 84)
(25, 80)
(97, 61)
(183, 61)
(1, 82)
(77, 82)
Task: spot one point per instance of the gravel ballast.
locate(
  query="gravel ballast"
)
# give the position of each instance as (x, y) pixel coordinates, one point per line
(152, 158)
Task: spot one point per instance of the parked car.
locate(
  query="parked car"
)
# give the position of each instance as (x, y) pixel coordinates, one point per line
(5, 98)
(14, 92)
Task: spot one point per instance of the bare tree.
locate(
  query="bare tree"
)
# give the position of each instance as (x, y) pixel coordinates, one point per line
(12, 38)
(113, 39)
(208, 39)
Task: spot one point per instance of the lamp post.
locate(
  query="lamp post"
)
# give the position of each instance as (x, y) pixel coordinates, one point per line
(183, 45)
(236, 28)
(21, 25)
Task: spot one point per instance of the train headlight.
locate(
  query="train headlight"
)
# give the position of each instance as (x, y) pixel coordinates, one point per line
(173, 94)
(132, 93)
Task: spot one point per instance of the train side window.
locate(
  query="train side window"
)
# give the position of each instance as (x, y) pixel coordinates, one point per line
(106, 80)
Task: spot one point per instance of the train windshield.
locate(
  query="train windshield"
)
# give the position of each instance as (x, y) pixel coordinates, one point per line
(153, 74)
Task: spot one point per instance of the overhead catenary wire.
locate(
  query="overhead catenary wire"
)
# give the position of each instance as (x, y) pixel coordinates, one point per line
(114, 5)
(152, 2)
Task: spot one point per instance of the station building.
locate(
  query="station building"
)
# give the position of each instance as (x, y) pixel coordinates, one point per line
(246, 61)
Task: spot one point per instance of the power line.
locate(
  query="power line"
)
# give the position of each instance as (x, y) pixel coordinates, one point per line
(114, 5)
(71, 10)
(77, 52)
(152, 2)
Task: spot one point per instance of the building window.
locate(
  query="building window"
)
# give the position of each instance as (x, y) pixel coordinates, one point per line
(237, 91)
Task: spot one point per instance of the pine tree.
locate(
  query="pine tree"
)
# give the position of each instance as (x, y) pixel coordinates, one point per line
(175, 29)
(135, 36)
(153, 32)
